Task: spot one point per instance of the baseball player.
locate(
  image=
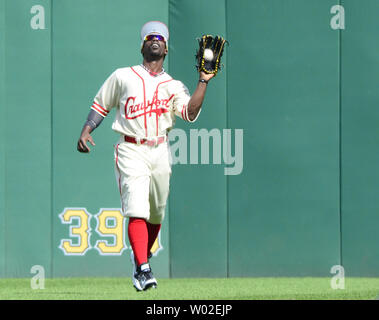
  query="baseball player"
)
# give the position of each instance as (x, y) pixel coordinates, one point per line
(147, 101)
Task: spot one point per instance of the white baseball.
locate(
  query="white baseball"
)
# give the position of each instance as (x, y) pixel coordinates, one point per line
(208, 54)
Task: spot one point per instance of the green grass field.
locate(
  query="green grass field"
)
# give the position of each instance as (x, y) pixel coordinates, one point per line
(192, 289)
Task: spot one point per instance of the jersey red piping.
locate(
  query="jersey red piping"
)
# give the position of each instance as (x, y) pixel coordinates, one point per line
(144, 98)
(119, 177)
(156, 91)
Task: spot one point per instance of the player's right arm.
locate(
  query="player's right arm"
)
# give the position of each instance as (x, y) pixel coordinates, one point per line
(93, 121)
(84, 138)
(105, 100)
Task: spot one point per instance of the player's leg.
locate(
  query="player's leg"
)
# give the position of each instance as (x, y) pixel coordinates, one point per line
(133, 177)
(153, 231)
(159, 190)
(138, 233)
(138, 236)
(138, 239)
(135, 203)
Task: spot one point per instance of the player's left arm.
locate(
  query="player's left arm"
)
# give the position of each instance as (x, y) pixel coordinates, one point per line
(197, 97)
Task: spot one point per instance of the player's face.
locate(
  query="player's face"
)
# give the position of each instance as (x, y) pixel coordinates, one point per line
(154, 46)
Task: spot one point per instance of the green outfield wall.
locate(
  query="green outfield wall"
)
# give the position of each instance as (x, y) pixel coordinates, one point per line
(277, 177)
(359, 139)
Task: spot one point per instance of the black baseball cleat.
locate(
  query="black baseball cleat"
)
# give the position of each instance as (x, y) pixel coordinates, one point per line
(136, 283)
(145, 277)
(142, 278)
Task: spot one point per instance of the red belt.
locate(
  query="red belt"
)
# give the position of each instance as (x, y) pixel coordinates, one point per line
(149, 142)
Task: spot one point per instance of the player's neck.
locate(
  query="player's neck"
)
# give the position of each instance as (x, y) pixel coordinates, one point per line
(154, 67)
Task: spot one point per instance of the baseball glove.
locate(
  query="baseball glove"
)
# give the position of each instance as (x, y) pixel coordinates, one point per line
(208, 56)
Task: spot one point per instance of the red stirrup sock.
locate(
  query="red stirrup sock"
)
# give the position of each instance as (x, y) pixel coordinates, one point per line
(153, 230)
(138, 239)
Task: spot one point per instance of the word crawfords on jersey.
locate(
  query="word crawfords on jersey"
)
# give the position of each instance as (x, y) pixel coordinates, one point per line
(157, 106)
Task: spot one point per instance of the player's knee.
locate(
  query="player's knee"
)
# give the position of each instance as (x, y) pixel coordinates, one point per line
(143, 214)
(157, 215)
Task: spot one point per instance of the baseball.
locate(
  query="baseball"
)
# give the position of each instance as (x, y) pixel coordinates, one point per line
(208, 54)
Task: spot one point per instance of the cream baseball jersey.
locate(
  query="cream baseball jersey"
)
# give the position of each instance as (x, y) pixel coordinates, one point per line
(146, 105)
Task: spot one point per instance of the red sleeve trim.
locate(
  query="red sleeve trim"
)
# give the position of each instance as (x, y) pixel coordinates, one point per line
(100, 109)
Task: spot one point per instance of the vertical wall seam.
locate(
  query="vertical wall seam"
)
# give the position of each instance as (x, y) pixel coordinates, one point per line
(5, 146)
(51, 143)
(227, 126)
(4, 123)
(340, 136)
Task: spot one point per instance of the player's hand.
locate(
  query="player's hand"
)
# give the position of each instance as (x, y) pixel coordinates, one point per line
(84, 138)
(206, 76)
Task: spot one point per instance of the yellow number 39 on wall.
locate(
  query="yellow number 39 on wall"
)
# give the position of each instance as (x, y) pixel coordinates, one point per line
(110, 224)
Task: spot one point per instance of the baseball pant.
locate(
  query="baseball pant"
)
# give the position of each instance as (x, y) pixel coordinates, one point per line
(143, 177)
